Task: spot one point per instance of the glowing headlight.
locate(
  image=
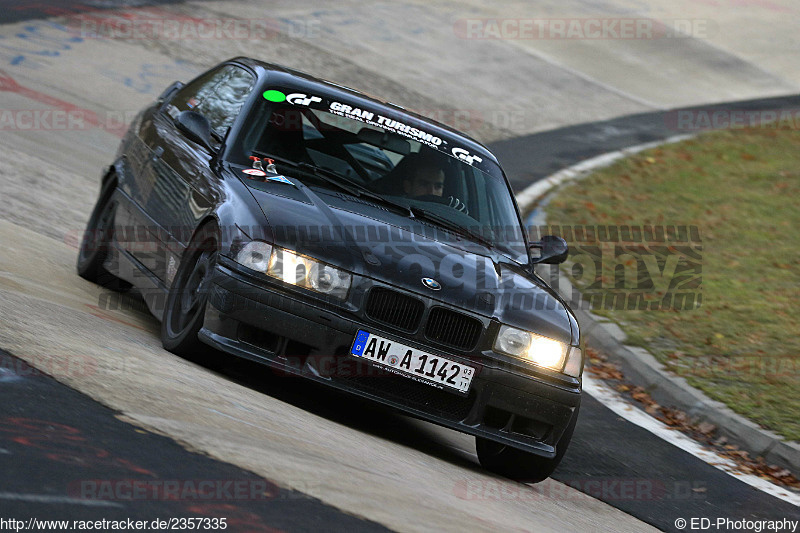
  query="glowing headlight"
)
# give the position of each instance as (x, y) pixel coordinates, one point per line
(255, 255)
(308, 273)
(531, 347)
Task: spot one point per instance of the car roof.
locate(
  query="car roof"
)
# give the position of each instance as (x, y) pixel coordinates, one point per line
(274, 74)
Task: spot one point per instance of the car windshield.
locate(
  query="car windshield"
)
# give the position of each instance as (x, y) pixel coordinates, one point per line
(403, 165)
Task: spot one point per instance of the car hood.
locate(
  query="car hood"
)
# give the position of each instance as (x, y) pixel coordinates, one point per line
(384, 244)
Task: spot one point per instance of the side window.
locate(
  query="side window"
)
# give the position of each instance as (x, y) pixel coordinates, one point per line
(217, 95)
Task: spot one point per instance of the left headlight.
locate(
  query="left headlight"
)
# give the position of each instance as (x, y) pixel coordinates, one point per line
(294, 268)
(308, 273)
(533, 348)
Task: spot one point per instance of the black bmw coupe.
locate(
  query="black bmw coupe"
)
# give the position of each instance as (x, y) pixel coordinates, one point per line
(304, 225)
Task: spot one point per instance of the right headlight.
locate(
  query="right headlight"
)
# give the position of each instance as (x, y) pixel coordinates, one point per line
(539, 350)
(533, 348)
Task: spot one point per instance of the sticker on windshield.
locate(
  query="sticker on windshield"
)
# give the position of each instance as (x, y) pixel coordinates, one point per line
(413, 128)
(280, 179)
(302, 99)
(254, 172)
(351, 112)
(465, 156)
(274, 96)
(395, 126)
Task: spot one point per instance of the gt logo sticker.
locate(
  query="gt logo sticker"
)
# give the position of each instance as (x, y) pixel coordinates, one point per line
(302, 99)
(465, 156)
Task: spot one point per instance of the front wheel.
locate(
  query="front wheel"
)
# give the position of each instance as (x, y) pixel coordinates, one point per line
(96, 242)
(522, 466)
(186, 301)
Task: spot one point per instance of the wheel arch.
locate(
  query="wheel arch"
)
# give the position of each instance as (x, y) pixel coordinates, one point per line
(110, 174)
(208, 223)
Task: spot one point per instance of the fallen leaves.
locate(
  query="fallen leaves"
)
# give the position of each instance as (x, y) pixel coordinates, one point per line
(706, 428)
(600, 367)
(700, 430)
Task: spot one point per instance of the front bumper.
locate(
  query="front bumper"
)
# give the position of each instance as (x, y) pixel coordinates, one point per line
(293, 333)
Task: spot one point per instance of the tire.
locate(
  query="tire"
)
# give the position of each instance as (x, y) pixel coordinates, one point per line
(522, 466)
(96, 242)
(188, 295)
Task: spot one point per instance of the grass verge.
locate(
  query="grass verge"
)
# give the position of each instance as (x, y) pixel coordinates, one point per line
(741, 189)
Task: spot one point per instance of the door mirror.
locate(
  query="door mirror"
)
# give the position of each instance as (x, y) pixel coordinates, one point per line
(196, 128)
(551, 250)
(170, 91)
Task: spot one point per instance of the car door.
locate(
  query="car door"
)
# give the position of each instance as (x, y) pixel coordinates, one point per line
(179, 186)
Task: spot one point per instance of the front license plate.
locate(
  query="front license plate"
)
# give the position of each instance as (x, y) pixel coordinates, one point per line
(425, 367)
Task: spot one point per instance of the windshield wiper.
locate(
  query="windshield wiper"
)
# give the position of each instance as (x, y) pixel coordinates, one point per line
(337, 180)
(331, 177)
(356, 189)
(450, 225)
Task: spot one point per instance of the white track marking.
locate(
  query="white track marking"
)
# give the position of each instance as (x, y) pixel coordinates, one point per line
(618, 405)
(56, 500)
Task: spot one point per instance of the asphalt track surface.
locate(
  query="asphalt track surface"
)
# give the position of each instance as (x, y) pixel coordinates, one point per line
(52, 438)
(65, 457)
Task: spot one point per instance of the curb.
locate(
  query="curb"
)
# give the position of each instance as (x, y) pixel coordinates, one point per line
(666, 387)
